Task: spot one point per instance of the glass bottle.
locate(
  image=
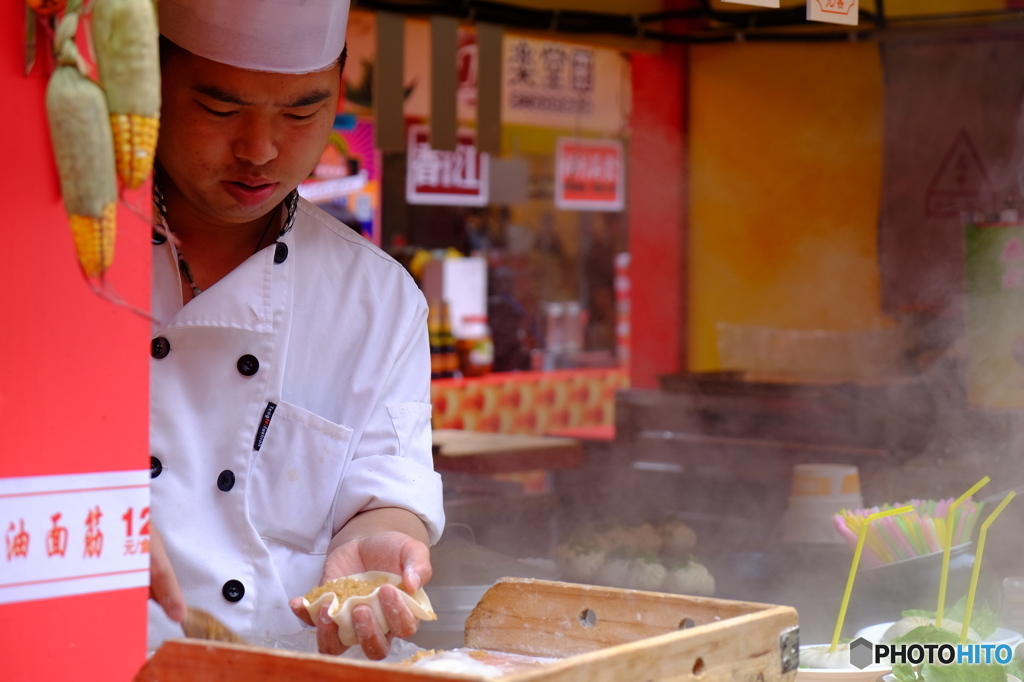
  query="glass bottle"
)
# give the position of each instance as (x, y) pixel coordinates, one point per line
(449, 358)
(434, 332)
(475, 347)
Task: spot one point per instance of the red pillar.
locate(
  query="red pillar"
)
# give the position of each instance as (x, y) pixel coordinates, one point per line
(74, 390)
(657, 215)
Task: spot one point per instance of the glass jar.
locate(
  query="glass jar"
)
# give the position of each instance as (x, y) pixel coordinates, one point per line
(1011, 614)
(475, 347)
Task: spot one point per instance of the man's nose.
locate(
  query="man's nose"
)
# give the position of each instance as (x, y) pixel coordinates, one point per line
(256, 142)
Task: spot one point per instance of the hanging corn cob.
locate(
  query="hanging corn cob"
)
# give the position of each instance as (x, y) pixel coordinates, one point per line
(84, 150)
(46, 8)
(124, 34)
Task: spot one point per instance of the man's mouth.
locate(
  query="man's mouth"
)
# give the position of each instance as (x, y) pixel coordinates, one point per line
(250, 192)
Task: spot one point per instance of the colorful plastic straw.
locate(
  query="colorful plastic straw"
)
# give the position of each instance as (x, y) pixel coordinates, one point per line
(911, 535)
(977, 563)
(861, 537)
(948, 544)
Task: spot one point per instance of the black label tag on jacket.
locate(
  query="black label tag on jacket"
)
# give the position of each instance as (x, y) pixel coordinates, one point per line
(261, 432)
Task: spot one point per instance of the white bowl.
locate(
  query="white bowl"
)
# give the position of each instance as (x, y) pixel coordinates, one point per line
(873, 633)
(852, 675)
(955, 550)
(872, 673)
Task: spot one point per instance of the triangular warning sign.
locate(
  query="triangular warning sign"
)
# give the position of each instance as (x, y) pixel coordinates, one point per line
(961, 183)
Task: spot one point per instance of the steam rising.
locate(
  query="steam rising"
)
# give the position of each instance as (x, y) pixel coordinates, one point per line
(854, 251)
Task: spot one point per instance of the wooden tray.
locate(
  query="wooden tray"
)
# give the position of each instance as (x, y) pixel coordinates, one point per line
(602, 634)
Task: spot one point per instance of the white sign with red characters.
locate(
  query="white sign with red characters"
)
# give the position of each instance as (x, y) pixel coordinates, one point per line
(773, 4)
(457, 178)
(589, 175)
(73, 534)
(833, 11)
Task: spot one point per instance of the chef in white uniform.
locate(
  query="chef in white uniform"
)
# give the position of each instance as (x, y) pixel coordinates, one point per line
(290, 371)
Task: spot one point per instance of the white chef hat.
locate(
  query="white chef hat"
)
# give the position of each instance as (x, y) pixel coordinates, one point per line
(281, 36)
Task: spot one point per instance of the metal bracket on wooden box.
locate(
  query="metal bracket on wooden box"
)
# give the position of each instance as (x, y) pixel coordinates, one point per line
(789, 648)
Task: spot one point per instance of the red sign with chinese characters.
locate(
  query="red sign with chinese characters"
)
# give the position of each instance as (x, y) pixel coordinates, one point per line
(439, 178)
(833, 11)
(73, 534)
(589, 175)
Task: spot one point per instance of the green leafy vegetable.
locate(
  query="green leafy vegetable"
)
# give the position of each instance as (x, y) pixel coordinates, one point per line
(919, 613)
(992, 672)
(928, 634)
(956, 672)
(983, 619)
(925, 634)
(904, 672)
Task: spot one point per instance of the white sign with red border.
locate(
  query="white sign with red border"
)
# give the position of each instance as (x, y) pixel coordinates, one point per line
(773, 4)
(73, 534)
(845, 12)
(443, 178)
(589, 174)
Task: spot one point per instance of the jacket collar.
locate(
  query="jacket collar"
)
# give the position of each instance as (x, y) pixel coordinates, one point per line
(242, 300)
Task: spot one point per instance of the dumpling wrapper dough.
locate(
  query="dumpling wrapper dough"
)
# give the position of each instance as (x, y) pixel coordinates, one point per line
(341, 612)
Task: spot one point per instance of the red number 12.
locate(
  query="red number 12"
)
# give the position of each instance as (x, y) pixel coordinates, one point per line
(143, 517)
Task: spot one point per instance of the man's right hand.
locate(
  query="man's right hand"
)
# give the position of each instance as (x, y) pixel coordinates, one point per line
(163, 586)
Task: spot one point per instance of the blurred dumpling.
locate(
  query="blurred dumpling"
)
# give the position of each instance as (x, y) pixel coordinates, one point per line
(613, 536)
(691, 578)
(580, 563)
(614, 572)
(677, 539)
(646, 573)
(644, 538)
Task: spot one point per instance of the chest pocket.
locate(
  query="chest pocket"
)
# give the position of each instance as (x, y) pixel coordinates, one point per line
(295, 477)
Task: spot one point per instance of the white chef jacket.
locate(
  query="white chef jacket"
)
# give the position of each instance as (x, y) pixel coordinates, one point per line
(285, 399)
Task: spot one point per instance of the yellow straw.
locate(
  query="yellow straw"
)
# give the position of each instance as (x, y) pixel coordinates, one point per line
(947, 541)
(977, 563)
(861, 537)
(873, 541)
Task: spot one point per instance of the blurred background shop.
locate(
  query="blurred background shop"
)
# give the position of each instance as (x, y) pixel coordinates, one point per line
(513, 233)
(678, 255)
(706, 260)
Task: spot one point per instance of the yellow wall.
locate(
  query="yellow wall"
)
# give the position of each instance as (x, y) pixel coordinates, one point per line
(786, 162)
(785, 154)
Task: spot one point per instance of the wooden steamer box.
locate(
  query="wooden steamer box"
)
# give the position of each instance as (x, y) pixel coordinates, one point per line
(600, 634)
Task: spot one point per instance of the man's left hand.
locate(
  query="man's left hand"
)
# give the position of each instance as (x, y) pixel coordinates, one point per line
(391, 551)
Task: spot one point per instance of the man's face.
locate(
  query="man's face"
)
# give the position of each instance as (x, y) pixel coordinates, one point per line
(236, 142)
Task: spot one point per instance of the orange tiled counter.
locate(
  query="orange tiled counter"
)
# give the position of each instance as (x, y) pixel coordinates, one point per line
(530, 403)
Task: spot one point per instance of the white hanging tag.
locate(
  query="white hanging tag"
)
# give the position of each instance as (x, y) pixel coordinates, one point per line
(773, 4)
(834, 11)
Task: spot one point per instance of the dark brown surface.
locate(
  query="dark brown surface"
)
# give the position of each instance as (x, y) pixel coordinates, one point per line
(473, 452)
(838, 419)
